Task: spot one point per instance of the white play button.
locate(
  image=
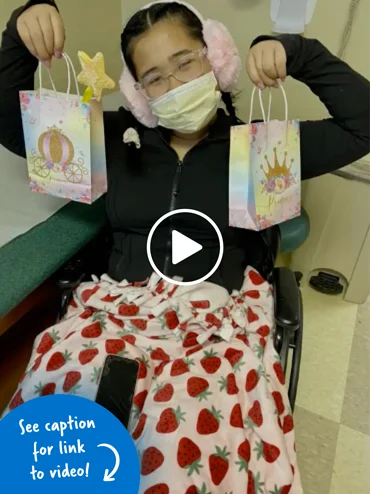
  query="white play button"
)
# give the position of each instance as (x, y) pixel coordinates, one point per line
(183, 247)
(196, 269)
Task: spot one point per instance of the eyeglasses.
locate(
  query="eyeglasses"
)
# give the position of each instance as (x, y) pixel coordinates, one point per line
(186, 69)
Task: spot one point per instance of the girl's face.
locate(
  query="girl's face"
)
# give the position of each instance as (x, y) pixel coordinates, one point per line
(162, 48)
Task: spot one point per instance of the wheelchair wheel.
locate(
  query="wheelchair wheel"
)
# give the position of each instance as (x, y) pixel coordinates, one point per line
(296, 345)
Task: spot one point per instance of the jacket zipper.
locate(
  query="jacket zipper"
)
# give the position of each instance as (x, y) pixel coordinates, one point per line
(174, 195)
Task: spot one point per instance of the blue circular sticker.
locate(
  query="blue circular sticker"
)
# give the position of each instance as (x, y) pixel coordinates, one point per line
(65, 443)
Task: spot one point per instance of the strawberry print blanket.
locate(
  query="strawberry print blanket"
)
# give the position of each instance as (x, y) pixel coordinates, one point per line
(211, 412)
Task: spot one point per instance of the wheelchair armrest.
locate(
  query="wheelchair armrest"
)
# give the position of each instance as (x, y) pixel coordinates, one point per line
(287, 298)
(71, 274)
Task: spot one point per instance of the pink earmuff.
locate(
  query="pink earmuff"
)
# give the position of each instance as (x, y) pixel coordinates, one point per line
(222, 54)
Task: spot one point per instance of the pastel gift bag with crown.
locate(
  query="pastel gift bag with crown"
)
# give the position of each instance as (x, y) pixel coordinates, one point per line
(265, 171)
(64, 139)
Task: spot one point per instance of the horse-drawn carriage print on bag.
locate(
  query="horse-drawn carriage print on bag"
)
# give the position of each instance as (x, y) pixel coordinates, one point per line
(64, 140)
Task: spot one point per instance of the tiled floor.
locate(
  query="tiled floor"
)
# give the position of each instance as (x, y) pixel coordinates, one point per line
(333, 405)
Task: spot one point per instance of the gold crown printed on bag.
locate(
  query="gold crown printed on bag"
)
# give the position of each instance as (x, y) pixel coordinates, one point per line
(277, 170)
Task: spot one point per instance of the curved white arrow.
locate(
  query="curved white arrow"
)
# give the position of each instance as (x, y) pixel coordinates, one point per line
(108, 477)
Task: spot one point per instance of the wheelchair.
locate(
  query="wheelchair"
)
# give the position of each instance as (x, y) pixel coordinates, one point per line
(287, 296)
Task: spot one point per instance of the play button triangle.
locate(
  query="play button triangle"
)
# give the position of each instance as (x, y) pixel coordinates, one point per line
(183, 247)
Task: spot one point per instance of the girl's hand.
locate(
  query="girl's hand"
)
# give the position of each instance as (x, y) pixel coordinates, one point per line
(41, 29)
(266, 62)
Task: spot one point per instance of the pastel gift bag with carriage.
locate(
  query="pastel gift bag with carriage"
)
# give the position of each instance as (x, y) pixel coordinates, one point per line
(265, 170)
(64, 140)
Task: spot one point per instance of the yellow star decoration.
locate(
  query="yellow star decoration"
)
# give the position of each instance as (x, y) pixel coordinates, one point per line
(93, 75)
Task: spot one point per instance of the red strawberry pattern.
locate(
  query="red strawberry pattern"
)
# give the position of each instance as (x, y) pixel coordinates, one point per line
(129, 310)
(73, 303)
(159, 354)
(160, 287)
(158, 489)
(193, 489)
(268, 451)
(169, 420)
(255, 415)
(255, 485)
(151, 460)
(45, 389)
(116, 321)
(89, 292)
(279, 371)
(128, 338)
(190, 339)
(159, 369)
(208, 421)
(207, 416)
(180, 366)
(200, 304)
(263, 330)
(253, 378)
(47, 341)
(172, 291)
(213, 320)
(37, 364)
(243, 338)
(256, 278)
(197, 387)
(87, 355)
(110, 298)
(228, 383)
(88, 312)
(251, 316)
(115, 347)
(143, 367)
(171, 319)
(235, 358)
(195, 349)
(210, 362)
(140, 324)
(236, 419)
(93, 330)
(288, 424)
(58, 360)
(285, 489)
(189, 455)
(140, 426)
(252, 294)
(279, 402)
(70, 384)
(163, 393)
(244, 455)
(219, 465)
(139, 400)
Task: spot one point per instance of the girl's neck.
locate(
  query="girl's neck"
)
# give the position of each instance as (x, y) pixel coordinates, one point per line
(190, 138)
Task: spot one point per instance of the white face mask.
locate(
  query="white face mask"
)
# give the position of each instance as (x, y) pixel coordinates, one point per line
(189, 107)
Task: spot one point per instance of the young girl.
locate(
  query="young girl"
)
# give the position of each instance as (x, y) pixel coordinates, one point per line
(195, 342)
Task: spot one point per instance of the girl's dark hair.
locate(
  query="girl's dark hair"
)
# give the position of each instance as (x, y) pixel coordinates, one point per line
(143, 20)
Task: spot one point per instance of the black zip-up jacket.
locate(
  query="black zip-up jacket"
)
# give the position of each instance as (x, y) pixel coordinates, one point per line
(144, 184)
